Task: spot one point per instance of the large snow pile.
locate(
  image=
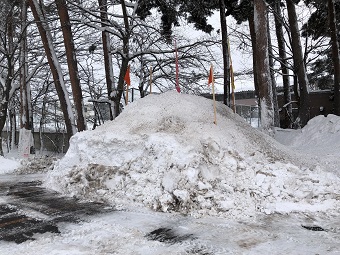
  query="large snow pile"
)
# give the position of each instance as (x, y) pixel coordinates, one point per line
(165, 153)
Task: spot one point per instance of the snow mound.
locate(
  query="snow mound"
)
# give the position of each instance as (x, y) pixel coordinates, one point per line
(319, 131)
(165, 153)
(319, 139)
(8, 166)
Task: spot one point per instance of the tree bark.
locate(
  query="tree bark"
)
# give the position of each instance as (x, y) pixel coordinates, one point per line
(54, 66)
(23, 70)
(4, 105)
(72, 63)
(226, 62)
(272, 77)
(299, 66)
(26, 119)
(6, 85)
(253, 45)
(106, 51)
(283, 63)
(262, 66)
(125, 60)
(335, 55)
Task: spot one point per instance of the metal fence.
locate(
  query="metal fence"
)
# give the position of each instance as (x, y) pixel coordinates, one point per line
(53, 142)
(249, 113)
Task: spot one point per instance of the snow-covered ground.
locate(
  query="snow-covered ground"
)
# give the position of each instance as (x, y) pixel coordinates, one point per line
(8, 165)
(235, 190)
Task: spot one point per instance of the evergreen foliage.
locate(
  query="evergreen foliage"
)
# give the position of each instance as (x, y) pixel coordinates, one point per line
(194, 11)
(317, 26)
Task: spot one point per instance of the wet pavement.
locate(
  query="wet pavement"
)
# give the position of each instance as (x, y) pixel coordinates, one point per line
(28, 208)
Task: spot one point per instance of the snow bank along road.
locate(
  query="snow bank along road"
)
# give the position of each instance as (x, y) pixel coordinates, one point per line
(27, 210)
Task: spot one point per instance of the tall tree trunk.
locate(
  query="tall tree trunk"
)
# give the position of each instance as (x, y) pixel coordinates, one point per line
(42, 121)
(283, 62)
(335, 55)
(262, 66)
(142, 78)
(6, 85)
(55, 67)
(26, 119)
(4, 104)
(106, 50)
(125, 60)
(26, 114)
(272, 77)
(72, 63)
(2, 121)
(226, 64)
(253, 45)
(12, 121)
(304, 106)
(296, 88)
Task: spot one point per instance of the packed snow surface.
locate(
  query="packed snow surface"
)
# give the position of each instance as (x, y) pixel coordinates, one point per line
(165, 153)
(320, 139)
(8, 165)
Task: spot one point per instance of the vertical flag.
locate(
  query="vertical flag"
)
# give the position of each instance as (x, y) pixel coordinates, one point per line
(211, 75)
(127, 76)
(211, 80)
(128, 82)
(177, 70)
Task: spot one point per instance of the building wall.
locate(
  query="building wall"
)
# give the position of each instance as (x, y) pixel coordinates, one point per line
(321, 103)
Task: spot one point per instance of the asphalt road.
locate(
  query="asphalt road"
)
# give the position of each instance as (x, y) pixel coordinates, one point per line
(27, 208)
